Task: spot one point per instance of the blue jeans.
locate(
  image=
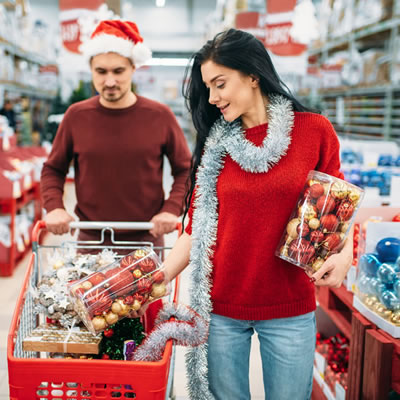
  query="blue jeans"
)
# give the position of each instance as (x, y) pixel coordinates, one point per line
(287, 348)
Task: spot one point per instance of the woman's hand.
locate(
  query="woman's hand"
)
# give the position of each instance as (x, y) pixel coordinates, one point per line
(333, 271)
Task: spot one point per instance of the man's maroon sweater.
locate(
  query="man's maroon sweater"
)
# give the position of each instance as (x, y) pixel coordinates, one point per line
(118, 156)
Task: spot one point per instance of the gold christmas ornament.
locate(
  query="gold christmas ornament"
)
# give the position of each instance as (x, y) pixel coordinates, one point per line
(284, 251)
(291, 228)
(86, 285)
(116, 307)
(344, 226)
(354, 196)
(307, 212)
(381, 310)
(111, 318)
(339, 190)
(136, 305)
(124, 308)
(370, 301)
(395, 318)
(137, 273)
(159, 290)
(314, 223)
(139, 253)
(99, 323)
(317, 264)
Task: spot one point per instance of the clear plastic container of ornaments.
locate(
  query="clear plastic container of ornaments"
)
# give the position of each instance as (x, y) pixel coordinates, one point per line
(320, 222)
(377, 287)
(112, 293)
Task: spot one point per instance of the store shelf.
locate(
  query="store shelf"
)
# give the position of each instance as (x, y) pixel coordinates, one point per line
(26, 55)
(10, 256)
(27, 90)
(338, 305)
(358, 34)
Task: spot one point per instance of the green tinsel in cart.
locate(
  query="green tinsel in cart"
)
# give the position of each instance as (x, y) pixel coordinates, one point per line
(114, 338)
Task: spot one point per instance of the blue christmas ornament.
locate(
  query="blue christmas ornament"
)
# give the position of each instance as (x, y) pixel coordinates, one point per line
(396, 287)
(364, 284)
(376, 286)
(388, 249)
(369, 263)
(387, 273)
(390, 300)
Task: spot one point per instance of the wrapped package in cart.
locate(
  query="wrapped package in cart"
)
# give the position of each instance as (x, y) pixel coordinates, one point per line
(320, 221)
(112, 293)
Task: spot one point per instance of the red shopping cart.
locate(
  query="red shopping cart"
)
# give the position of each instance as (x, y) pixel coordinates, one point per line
(32, 377)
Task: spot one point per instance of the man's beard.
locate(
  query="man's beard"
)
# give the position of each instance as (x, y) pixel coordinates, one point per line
(113, 96)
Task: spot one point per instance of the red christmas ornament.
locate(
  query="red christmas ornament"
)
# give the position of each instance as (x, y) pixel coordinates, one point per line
(127, 261)
(139, 298)
(303, 230)
(158, 277)
(143, 286)
(129, 300)
(316, 190)
(119, 281)
(105, 356)
(96, 278)
(301, 250)
(316, 237)
(326, 204)
(329, 222)
(331, 241)
(108, 333)
(147, 265)
(98, 301)
(345, 210)
(396, 218)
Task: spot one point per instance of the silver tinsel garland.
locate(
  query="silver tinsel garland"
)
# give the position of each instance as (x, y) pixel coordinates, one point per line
(225, 138)
(190, 329)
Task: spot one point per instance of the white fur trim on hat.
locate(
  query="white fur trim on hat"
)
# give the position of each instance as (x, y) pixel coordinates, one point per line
(104, 43)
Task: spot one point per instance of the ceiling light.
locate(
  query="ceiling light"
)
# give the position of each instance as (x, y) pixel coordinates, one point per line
(160, 3)
(168, 62)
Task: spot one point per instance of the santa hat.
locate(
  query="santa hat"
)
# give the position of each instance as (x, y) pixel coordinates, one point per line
(121, 37)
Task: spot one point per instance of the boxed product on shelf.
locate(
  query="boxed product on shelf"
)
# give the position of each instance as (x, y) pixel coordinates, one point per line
(377, 287)
(113, 292)
(53, 338)
(320, 222)
(368, 12)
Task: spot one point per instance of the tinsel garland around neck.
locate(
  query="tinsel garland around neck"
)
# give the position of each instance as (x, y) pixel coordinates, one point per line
(225, 138)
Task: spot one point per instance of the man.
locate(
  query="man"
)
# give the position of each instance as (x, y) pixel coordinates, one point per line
(117, 141)
(9, 112)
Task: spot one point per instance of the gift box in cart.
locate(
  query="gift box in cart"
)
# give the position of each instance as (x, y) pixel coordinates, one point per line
(33, 377)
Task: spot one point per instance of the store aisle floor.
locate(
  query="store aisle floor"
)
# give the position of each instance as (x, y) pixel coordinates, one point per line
(10, 288)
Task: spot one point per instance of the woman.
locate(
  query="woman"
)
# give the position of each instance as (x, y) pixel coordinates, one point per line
(255, 147)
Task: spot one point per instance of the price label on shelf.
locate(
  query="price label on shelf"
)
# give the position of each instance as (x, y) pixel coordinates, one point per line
(320, 362)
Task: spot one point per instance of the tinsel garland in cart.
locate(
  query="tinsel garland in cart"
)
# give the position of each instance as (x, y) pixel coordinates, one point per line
(188, 329)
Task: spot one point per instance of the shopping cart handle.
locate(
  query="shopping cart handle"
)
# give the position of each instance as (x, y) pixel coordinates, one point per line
(132, 226)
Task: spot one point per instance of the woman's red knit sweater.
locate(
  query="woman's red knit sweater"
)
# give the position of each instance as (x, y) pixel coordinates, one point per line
(248, 281)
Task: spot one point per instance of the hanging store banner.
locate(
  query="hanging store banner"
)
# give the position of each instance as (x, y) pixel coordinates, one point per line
(288, 55)
(70, 12)
(250, 21)
(278, 23)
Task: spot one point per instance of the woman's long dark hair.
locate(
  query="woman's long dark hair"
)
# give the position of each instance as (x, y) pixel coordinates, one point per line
(233, 49)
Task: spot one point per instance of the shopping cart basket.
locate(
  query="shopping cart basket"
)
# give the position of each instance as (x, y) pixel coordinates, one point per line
(31, 377)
